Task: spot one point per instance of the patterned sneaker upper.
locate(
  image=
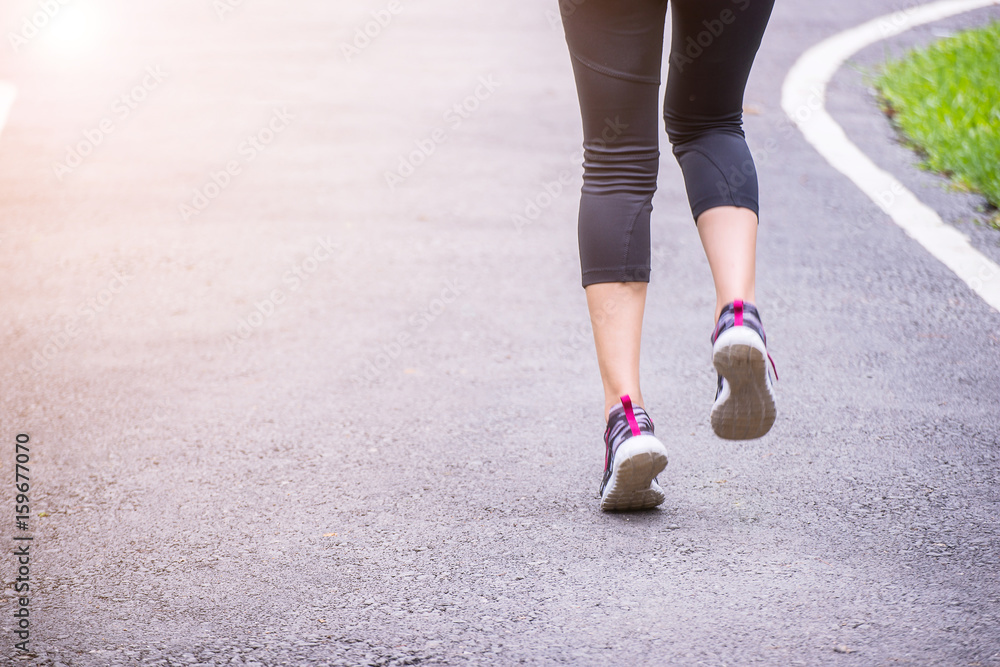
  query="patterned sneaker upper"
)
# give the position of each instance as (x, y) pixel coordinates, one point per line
(624, 421)
(740, 314)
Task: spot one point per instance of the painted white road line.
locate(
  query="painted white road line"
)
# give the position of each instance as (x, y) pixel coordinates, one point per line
(7, 94)
(802, 97)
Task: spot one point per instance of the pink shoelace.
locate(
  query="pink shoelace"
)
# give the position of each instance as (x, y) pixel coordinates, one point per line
(630, 415)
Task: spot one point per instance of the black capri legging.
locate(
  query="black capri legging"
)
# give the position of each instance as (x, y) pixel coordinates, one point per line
(616, 47)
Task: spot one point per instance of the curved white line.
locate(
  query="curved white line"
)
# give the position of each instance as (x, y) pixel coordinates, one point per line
(802, 97)
(7, 94)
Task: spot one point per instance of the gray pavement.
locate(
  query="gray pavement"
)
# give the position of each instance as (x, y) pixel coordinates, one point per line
(322, 415)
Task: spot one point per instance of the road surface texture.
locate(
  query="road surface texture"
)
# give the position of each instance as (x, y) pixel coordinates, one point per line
(293, 321)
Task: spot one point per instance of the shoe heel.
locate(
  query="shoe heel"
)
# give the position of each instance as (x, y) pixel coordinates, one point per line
(746, 409)
(638, 461)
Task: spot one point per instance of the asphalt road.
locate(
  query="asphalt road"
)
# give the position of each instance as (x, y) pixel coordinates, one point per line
(294, 325)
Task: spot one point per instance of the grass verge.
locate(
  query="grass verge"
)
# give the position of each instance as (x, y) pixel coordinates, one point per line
(945, 99)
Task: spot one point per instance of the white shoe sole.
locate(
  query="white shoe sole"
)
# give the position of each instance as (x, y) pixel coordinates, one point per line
(745, 408)
(631, 487)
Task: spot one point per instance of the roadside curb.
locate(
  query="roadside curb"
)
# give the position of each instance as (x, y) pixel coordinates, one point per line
(803, 96)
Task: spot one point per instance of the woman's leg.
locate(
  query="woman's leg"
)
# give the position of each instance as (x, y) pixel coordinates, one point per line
(616, 50)
(616, 316)
(713, 46)
(712, 49)
(616, 47)
(729, 236)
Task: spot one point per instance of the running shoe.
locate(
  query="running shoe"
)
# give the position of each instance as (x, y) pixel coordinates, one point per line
(744, 402)
(633, 459)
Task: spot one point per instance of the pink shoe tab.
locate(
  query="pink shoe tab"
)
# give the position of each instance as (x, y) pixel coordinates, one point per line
(630, 415)
(738, 308)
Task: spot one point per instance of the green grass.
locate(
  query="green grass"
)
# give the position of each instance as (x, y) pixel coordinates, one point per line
(946, 100)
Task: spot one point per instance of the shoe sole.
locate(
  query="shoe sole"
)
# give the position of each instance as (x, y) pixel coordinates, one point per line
(637, 461)
(748, 411)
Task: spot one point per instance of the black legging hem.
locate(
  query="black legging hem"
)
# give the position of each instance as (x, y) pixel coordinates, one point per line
(713, 203)
(628, 274)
